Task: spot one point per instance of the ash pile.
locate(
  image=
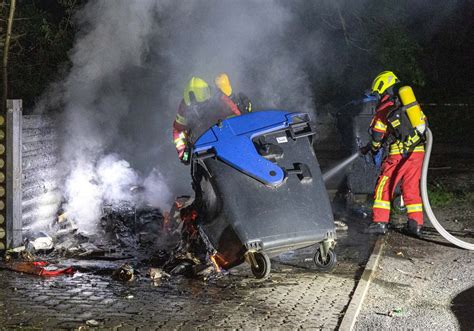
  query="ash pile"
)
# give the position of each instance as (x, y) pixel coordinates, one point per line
(124, 230)
(130, 239)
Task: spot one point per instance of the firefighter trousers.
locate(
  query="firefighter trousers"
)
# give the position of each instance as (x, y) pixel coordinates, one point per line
(407, 171)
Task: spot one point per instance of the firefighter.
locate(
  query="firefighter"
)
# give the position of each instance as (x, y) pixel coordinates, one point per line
(199, 109)
(399, 122)
(241, 100)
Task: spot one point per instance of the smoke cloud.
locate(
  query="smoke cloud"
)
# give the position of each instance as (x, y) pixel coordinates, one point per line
(130, 63)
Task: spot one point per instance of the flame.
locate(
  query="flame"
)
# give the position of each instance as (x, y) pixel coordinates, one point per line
(166, 221)
(62, 217)
(217, 268)
(178, 204)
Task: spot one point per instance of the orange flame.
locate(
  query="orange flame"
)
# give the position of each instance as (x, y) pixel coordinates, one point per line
(166, 221)
(214, 262)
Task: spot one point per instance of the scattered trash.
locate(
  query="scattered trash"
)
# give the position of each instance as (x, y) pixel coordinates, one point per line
(454, 279)
(92, 323)
(394, 312)
(208, 272)
(17, 254)
(38, 241)
(125, 273)
(130, 296)
(157, 273)
(27, 256)
(400, 254)
(184, 267)
(39, 268)
(411, 274)
(89, 249)
(17, 249)
(341, 226)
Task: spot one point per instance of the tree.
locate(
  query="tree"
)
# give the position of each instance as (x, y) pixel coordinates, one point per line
(6, 48)
(38, 50)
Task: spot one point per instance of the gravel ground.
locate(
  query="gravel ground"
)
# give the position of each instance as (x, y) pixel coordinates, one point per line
(419, 282)
(427, 284)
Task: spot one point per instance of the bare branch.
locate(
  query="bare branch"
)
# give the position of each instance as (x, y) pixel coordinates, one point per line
(5, 54)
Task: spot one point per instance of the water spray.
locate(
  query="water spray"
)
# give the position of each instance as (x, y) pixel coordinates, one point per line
(330, 173)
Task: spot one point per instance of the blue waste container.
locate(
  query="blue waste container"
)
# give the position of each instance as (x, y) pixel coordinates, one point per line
(259, 191)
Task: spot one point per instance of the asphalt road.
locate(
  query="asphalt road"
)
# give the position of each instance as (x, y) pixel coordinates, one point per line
(420, 285)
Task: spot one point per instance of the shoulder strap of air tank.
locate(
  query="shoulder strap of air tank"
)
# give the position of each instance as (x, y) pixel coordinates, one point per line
(405, 107)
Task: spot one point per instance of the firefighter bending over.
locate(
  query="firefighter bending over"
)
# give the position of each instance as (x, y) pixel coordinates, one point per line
(399, 122)
(197, 112)
(241, 100)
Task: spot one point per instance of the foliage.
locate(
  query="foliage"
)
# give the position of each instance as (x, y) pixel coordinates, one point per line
(358, 39)
(398, 52)
(440, 197)
(43, 35)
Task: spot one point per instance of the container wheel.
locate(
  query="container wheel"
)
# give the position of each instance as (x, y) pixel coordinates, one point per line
(260, 265)
(325, 265)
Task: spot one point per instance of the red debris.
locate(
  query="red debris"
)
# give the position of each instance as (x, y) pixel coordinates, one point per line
(37, 268)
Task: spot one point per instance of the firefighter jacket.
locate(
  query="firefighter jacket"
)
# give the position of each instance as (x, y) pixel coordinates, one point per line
(192, 121)
(391, 124)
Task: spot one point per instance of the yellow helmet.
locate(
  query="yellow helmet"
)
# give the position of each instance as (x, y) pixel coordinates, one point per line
(383, 81)
(196, 90)
(223, 83)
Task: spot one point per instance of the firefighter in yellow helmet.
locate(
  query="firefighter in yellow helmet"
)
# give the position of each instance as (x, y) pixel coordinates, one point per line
(224, 86)
(398, 122)
(198, 110)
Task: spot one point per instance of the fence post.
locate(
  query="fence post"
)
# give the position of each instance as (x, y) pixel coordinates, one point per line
(12, 209)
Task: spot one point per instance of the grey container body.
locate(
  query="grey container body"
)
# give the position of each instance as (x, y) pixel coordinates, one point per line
(243, 214)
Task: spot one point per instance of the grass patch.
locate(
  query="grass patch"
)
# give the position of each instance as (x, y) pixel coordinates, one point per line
(441, 198)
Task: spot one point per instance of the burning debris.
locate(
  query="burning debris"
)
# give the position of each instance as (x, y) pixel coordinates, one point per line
(125, 273)
(167, 244)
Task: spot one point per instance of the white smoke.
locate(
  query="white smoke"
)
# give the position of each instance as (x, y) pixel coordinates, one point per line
(130, 63)
(113, 39)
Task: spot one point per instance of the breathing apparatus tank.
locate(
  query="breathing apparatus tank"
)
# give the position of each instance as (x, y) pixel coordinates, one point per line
(412, 108)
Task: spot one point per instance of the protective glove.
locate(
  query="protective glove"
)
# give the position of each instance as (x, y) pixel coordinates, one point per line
(185, 159)
(365, 149)
(378, 158)
(245, 105)
(184, 154)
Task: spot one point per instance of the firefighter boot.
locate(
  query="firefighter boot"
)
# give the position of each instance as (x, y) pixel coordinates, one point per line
(413, 229)
(377, 228)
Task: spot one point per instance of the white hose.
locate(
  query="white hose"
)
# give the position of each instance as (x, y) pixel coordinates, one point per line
(426, 202)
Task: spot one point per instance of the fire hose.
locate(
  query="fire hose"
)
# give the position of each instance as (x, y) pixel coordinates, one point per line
(426, 202)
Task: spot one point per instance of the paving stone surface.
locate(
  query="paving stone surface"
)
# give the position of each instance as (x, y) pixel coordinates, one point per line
(295, 296)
